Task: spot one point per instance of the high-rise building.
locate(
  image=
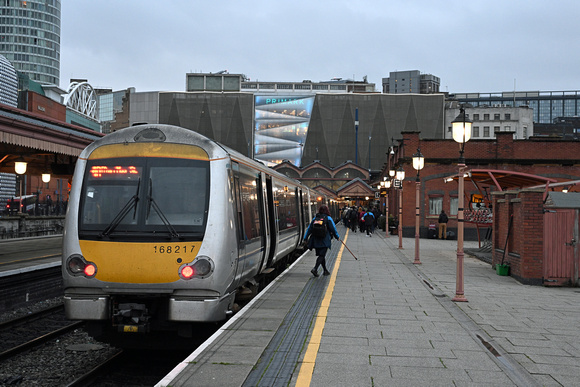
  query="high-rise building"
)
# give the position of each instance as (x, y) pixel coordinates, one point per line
(8, 83)
(30, 38)
(410, 82)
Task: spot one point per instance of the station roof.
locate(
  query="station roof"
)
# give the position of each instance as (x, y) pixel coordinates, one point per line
(40, 141)
(504, 180)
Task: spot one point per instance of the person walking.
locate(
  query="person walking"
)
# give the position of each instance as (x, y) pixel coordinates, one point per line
(353, 219)
(319, 234)
(361, 219)
(443, 219)
(369, 219)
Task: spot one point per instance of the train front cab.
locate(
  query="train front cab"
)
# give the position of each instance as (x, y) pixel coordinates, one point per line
(133, 246)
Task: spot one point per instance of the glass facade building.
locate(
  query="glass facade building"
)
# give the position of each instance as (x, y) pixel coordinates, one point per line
(8, 83)
(548, 106)
(30, 38)
(281, 126)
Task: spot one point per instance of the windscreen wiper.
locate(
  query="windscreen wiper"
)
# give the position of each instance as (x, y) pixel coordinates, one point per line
(132, 203)
(153, 203)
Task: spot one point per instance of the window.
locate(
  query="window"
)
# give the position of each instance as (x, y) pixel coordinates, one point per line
(286, 207)
(453, 205)
(507, 128)
(486, 117)
(476, 131)
(508, 116)
(435, 205)
(476, 117)
(497, 117)
(496, 129)
(486, 131)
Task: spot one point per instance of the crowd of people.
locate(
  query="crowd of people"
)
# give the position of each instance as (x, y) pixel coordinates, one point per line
(360, 219)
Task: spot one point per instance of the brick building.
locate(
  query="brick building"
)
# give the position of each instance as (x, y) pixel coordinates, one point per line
(553, 159)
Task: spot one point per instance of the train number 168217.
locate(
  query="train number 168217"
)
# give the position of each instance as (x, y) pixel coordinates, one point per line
(173, 249)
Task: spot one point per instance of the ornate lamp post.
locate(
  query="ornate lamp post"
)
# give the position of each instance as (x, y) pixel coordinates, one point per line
(400, 176)
(387, 184)
(461, 127)
(418, 164)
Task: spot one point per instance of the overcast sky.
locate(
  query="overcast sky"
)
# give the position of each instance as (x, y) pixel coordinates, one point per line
(472, 46)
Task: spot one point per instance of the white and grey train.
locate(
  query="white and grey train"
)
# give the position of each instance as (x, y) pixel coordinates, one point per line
(165, 227)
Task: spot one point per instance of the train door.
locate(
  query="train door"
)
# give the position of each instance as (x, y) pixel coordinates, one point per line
(238, 220)
(250, 220)
(263, 208)
(272, 225)
(302, 214)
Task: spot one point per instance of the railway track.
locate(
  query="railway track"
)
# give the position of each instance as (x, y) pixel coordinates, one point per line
(24, 333)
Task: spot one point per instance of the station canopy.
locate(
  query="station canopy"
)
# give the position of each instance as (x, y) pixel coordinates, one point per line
(503, 180)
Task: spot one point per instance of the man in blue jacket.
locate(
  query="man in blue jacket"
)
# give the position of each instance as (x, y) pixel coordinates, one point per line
(320, 241)
(369, 218)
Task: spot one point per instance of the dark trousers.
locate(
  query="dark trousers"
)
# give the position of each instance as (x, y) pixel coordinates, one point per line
(321, 258)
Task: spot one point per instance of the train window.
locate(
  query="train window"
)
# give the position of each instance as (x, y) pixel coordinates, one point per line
(286, 206)
(250, 206)
(137, 196)
(179, 195)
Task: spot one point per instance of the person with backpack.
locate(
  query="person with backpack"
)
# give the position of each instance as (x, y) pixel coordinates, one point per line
(369, 219)
(319, 234)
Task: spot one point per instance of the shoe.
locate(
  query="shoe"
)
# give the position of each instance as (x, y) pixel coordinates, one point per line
(370, 235)
(314, 272)
(326, 273)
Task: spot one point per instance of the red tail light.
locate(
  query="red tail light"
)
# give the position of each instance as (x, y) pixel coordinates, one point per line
(90, 270)
(187, 272)
(77, 265)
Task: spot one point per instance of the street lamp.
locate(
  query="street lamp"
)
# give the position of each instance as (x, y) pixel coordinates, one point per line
(387, 185)
(418, 164)
(400, 176)
(461, 129)
(20, 166)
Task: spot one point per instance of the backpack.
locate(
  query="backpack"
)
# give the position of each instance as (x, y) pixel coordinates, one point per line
(352, 214)
(319, 228)
(369, 217)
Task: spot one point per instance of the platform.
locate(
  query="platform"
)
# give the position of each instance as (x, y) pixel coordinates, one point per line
(19, 255)
(381, 320)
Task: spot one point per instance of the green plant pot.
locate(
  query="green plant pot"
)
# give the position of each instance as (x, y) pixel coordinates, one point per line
(502, 269)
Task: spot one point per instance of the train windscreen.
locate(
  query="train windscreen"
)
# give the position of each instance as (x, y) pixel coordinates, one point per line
(132, 198)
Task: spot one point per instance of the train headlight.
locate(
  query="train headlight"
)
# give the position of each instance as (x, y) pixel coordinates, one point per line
(77, 265)
(201, 267)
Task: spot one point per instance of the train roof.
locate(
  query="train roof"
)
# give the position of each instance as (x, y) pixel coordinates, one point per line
(177, 134)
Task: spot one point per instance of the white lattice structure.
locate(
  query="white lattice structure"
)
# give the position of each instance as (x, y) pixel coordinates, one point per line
(82, 98)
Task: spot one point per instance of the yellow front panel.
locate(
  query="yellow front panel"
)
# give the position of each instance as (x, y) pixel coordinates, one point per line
(149, 149)
(138, 263)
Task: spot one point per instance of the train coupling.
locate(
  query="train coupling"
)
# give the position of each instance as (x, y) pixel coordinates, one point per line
(131, 318)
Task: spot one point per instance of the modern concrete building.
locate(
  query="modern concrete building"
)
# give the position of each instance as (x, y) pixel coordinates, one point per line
(299, 128)
(30, 33)
(412, 81)
(226, 82)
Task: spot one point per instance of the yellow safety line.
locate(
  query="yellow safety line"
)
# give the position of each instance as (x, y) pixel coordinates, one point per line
(307, 367)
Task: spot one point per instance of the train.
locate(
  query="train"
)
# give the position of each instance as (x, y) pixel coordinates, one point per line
(166, 228)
